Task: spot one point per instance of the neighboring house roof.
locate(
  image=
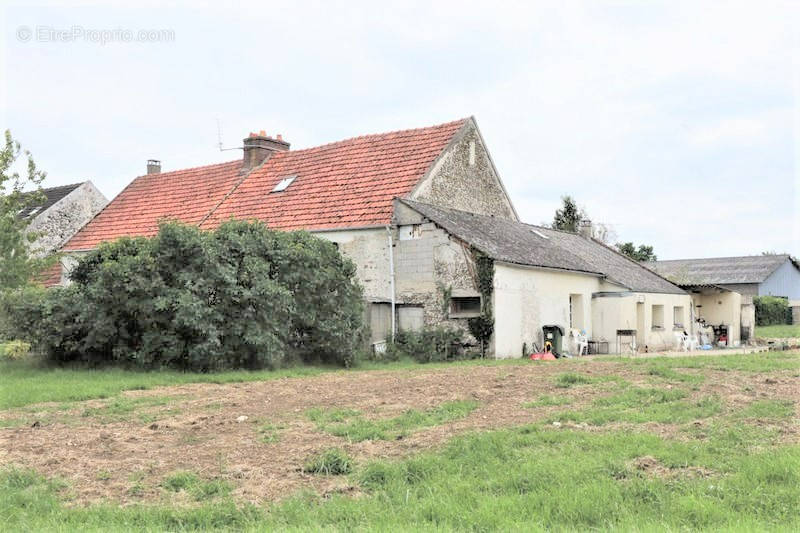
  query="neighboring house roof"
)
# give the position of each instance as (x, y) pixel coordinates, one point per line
(350, 183)
(51, 195)
(720, 270)
(346, 184)
(525, 244)
(186, 195)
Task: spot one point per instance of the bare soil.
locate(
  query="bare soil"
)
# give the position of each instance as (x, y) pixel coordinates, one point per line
(201, 428)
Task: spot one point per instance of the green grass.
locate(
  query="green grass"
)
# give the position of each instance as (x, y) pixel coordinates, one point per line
(640, 405)
(547, 400)
(526, 479)
(23, 383)
(351, 425)
(756, 362)
(198, 488)
(781, 331)
(768, 410)
(663, 371)
(569, 379)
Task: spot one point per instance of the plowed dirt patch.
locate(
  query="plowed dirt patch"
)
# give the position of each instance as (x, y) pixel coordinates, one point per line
(202, 428)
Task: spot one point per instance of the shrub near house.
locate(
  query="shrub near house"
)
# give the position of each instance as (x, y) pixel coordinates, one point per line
(242, 296)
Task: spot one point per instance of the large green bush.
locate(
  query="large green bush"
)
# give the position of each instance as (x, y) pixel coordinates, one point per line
(771, 310)
(242, 296)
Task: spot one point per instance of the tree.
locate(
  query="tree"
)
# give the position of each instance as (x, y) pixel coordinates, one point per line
(641, 254)
(17, 266)
(568, 218)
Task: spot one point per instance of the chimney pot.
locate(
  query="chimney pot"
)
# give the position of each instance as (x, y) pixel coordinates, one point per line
(280, 137)
(585, 228)
(259, 148)
(153, 166)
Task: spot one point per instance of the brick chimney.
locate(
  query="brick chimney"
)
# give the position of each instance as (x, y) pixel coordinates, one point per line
(258, 147)
(585, 228)
(153, 166)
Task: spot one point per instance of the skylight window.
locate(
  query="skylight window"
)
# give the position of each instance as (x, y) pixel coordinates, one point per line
(284, 183)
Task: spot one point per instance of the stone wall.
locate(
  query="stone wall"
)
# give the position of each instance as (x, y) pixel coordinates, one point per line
(64, 218)
(464, 178)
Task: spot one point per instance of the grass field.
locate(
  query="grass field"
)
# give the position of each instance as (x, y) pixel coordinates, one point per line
(658, 444)
(782, 331)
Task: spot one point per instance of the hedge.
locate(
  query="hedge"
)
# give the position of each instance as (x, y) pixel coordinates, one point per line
(242, 296)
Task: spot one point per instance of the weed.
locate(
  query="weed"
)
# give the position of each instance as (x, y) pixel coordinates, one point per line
(270, 433)
(331, 462)
(198, 488)
(568, 379)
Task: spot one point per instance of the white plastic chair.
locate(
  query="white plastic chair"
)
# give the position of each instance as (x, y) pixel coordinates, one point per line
(680, 341)
(582, 341)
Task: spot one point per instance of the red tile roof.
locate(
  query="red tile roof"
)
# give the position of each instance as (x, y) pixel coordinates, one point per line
(49, 277)
(350, 183)
(187, 195)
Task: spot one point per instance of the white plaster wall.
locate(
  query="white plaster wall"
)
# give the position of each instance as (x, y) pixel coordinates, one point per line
(369, 250)
(526, 298)
(610, 313)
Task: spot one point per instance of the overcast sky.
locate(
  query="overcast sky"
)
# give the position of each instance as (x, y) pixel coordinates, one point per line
(676, 123)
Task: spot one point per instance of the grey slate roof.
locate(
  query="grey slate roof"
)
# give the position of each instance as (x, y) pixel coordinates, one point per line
(720, 270)
(51, 196)
(524, 244)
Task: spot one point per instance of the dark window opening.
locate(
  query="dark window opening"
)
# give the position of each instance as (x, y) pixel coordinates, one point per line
(461, 306)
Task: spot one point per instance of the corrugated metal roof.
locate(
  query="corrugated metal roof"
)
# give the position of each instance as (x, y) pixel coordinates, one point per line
(720, 270)
(524, 244)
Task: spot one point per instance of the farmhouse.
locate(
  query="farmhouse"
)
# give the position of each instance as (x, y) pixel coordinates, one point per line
(715, 282)
(411, 209)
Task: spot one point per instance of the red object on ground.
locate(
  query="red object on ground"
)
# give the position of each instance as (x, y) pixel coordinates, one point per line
(546, 356)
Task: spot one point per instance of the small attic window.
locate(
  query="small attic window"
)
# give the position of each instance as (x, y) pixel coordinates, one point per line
(33, 211)
(540, 234)
(284, 183)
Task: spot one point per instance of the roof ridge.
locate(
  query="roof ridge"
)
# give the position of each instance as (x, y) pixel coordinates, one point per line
(199, 167)
(379, 134)
(721, 258)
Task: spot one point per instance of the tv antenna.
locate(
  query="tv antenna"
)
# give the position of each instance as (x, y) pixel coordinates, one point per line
(219, 139)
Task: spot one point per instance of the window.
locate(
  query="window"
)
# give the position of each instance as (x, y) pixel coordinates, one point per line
(465, 306)
(658, 317)
(284, 183)
(677, 317)
(576, 312)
